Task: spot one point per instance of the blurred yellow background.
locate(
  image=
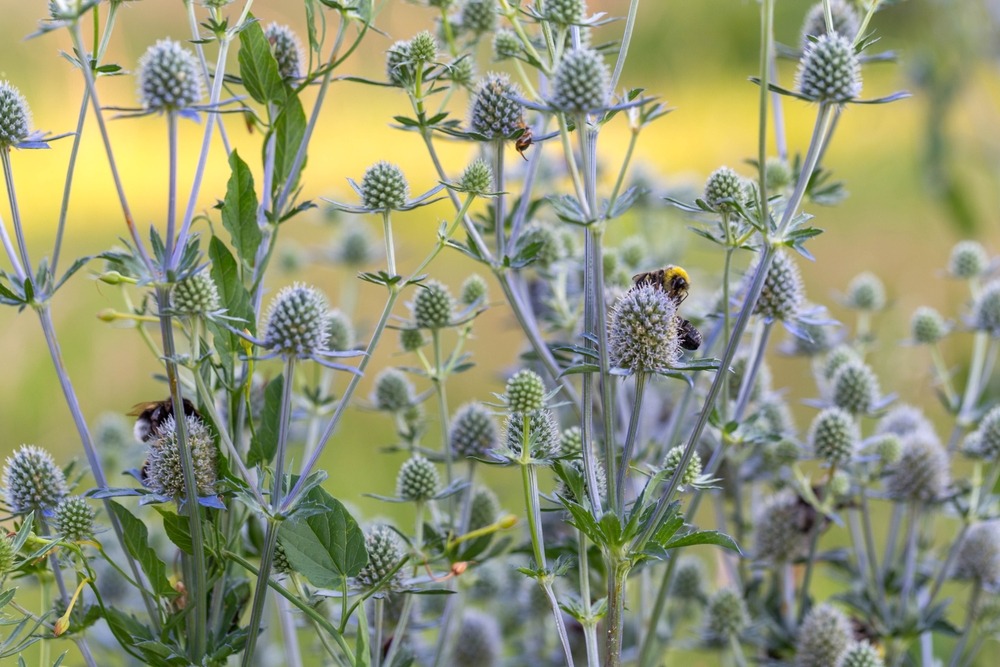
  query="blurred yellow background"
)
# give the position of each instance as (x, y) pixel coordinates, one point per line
(697, 56)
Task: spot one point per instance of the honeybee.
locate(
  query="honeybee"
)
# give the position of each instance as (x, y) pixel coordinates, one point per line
(151, 415)
(689, 334)
(523, 142)
(671, 279)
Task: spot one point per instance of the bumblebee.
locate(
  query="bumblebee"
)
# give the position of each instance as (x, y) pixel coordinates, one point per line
(151, 415)
(523, 142)
(689, 334)
(671, 279)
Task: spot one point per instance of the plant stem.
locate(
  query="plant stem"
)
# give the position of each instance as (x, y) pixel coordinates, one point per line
(271, 535)
(198, 640)
(970, 621)
(633, 10)
(440, 375)
(909, 560)
(15, 210)
(93, 460)
(68, 185)
(171, 190)
(500, 205)
(633, 429)
(618, 579)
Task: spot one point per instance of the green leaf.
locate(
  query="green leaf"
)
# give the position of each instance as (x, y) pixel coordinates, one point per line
(703, 537)
(136, 539)
(239, 210)
(177, 529)
(289, 132)
(258, 68)
(264, 443)
(327, 547)
(234, 296)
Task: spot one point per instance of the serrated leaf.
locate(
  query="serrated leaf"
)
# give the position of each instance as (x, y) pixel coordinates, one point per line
(258, 68)
(232, 293)
(239, 210)
(703, 537)
(289, 132)
(136, 539)
(177, 529)
(326, 548)
(264, 443)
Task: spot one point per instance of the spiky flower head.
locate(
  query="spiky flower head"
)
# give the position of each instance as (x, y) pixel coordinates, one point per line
(297, 322)
(836, 359)
(8, 556)
(542, 437)
(340, 336)
(473, 431)
(479, 16)
(354, 246)
(643, 331)
(829, 70)
(866, 292)
(411, 339)
(777, 174)
(164, 473)
(525, 391)
(724, 189)
(384, 553)
(32, 481)
(782, 294)
(673, 459)
(823, 637)
(778, 527)
(845, 21)
(399, 67)
(477, 178)
(888, 448)
(979, 554)
(855, 388)
(484, 508)
(74, 518)
(811, 338)
(423, 48)
(433, 306)
(968, 260)
(506, 45)
(474, 290)
(903, 420)
(15, 115)
(479, 642)
(582, 82)
(462, 71)
(566, 12)
(927, 327)
(777, 455)
(550, 249)
(383, 187)
(861, 654)
(169, 77)
(286, 49)
(775, 417)
(834, 435)
(571, 442)
(989, 434)
(393, 391)
(600, 476)
(726, 615)
(689, 580)
(418, 479)
(986, 309)
(196, 295)
(496, 112)
(922, 472)
(281, 564)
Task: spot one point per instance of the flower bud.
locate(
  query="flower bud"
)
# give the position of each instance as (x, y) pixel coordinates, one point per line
(829, 70)
(582, 82)
(643, 333)
(384, 553)
(169, 77)
(383, 187)
(286, 49)
(927, 327)
(525, 391)
(823, 637)
(297, 323)
(418, 479)
(473, 431)
(496, 113)
(433, 306)
(15, 116)
(74, 519)
(393, 391)
(196, 295)
(33, 481)
(968, 260)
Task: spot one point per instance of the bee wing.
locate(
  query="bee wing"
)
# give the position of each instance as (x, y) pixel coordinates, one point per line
(140, 408)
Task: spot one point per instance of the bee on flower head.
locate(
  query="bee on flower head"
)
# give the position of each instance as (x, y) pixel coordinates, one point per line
(151, 415)
(671, 279)
(675, 282)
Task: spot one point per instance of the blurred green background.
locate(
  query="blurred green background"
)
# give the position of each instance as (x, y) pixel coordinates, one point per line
(922, 173)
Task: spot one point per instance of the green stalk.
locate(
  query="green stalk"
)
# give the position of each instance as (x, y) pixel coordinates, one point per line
(171, 189)
(590, 624)
(500, 221)
(198, 640)
(618, 580)
(271, 535)
(68, 184)
(813, 546)
(970, 621)
(440, 375)
(15, 210)
(633, 10)
(633, 429)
